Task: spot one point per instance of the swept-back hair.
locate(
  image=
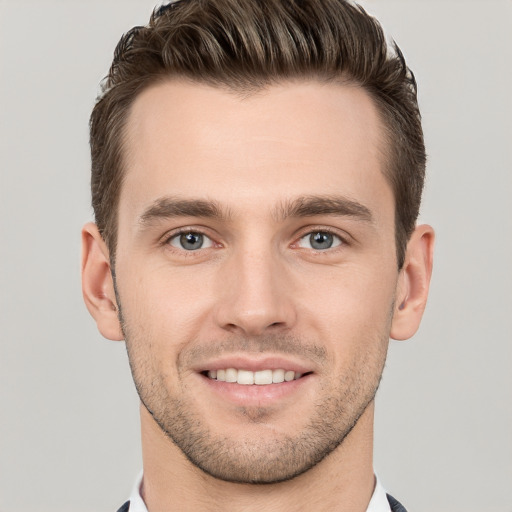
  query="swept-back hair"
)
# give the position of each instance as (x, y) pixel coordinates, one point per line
(246, 45)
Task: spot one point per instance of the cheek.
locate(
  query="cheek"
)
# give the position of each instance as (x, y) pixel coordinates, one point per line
(163, 307)
(352, 306)
(357, 288)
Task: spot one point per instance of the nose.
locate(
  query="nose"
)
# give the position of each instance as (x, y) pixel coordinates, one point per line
(255, 295)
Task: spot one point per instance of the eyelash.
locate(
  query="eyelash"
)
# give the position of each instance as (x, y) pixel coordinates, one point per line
(310, 231)
(166, 240)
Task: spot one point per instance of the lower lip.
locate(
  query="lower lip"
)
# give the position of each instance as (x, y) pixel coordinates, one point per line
(246, 395)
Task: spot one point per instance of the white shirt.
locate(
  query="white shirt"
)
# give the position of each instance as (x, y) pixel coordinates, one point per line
(378, 503)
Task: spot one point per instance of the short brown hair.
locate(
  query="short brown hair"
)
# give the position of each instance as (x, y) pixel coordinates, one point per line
(245, 45)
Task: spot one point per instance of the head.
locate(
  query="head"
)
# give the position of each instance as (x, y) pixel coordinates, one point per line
(257, 172)
(246, 47)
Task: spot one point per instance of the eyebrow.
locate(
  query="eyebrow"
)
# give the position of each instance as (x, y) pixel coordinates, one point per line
(170, 207)
(311, 206)
(304, 206)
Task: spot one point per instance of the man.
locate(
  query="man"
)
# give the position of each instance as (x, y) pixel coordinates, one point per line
(257, 170)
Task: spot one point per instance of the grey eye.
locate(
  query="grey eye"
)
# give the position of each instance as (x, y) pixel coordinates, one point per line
(190, 241)
(320, 241)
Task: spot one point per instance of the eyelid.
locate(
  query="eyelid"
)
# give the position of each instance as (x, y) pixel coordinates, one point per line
(207, 242)
(304, 232)
(308, 231)
(166, 239)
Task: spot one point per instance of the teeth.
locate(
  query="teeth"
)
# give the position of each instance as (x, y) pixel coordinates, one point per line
(263, 377)
(260, 378)
(289, 375)
(245, 377)
(231, 375)
(278, 376)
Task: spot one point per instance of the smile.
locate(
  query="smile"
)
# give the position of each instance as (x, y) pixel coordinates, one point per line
(248, 378)
(261, 381)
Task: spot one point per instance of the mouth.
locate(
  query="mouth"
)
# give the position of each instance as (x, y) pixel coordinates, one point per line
(254, 378)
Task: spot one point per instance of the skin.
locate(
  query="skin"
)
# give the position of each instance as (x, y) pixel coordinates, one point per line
(257, 294)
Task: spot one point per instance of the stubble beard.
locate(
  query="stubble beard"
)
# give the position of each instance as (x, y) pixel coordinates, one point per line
(256, 460)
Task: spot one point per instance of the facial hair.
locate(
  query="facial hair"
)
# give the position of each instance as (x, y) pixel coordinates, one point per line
(340, 402)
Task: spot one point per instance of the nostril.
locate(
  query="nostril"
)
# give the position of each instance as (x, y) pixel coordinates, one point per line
(231, 328)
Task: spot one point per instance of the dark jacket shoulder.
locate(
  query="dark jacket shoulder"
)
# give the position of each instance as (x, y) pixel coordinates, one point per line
(125, 507)
(395, 505)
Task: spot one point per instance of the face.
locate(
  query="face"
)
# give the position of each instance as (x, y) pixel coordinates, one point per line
(256, 270)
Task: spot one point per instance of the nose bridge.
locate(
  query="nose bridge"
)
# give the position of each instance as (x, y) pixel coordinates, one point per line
(255, 291)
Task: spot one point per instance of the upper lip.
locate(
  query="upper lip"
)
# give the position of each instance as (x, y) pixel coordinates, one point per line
(254, 364)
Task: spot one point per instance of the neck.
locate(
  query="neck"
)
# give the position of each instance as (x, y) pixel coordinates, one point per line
(343, 481)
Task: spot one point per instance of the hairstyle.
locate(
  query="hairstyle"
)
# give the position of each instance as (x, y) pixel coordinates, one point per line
(244, 46)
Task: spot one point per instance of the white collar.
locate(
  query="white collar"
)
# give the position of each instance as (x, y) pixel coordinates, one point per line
(136, 502)
(378, 503)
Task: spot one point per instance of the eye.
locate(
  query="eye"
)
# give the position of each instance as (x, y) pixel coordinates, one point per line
(320, 241)
(190, 241)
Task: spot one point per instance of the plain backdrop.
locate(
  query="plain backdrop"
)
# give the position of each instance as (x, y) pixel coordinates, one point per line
(69, 433)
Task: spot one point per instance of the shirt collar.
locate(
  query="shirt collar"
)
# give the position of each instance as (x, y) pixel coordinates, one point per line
(136, 502)
(378, 503)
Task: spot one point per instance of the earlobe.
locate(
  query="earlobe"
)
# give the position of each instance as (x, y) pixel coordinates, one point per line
(413, 285)
(97, 284)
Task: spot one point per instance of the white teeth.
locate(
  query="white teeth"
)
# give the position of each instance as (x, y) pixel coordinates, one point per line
(231, 375)
(260, 378)
(263, 377)
(289, 375)
(278, 376)
(245, 377)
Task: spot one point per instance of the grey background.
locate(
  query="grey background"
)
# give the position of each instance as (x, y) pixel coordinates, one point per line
(69, 435)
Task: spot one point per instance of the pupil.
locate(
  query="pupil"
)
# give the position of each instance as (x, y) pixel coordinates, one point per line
(321, 240)
(191, 241)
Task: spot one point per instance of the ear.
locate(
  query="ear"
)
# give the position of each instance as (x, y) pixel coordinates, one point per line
(98, 285)
(413, 284)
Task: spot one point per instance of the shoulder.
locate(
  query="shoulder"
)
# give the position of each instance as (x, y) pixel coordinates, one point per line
(395, 505)
(125, 507)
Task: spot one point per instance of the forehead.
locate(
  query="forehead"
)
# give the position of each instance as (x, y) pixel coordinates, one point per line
(291, 139)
